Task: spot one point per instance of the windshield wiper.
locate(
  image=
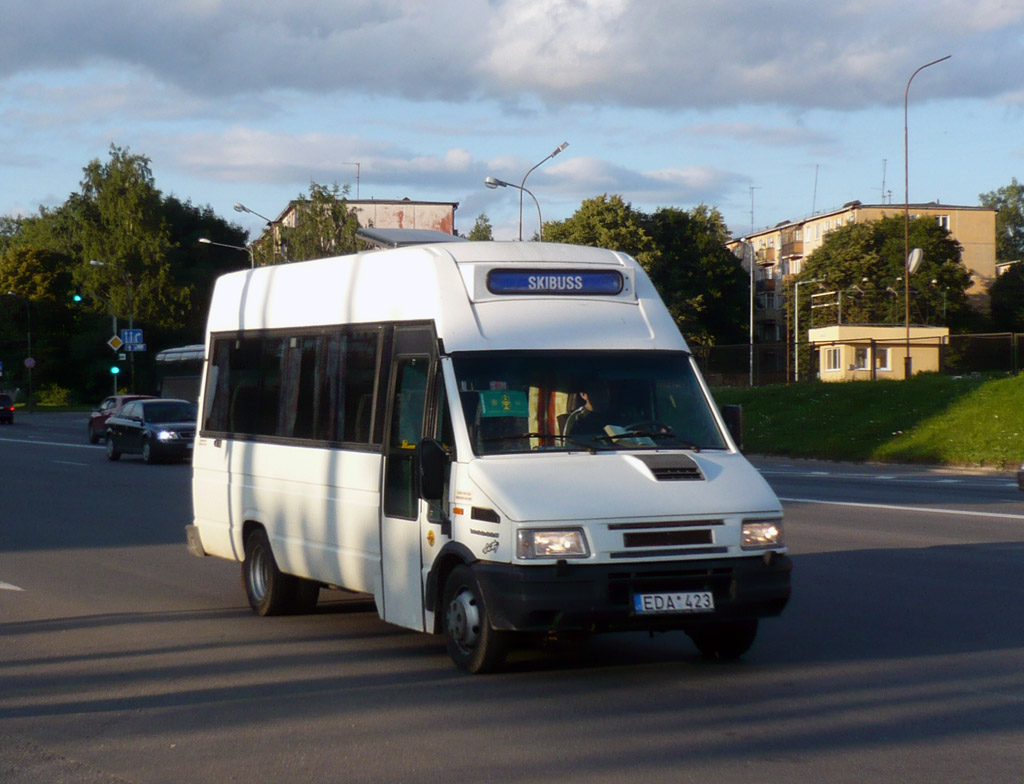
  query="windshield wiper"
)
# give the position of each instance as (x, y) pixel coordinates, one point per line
(552, 436)
(651, 434)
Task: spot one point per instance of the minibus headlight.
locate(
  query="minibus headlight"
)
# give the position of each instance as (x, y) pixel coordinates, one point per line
(563, 543)
(759, 534)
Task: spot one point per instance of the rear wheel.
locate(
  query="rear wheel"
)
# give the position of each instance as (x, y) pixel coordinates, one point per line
(724, 640)
(471, 641)
(113, 453)
(270, 591)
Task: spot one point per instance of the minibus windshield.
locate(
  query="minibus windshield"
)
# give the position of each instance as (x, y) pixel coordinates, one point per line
(593, 400)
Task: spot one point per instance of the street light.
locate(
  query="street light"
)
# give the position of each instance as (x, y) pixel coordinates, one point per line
(239, 207)
(494, 183)
(522, 185)
(907, 365)
(796, 325)
(246, 249)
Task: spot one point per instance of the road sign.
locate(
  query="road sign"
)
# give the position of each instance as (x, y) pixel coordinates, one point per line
(30, 363)
(131, 336)
(135, 347)
(115, 343)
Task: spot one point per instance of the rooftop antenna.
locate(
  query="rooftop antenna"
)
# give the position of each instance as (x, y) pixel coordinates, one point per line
(883, 180)
(814, 199)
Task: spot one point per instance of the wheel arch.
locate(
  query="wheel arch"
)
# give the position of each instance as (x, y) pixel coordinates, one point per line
(452, 554)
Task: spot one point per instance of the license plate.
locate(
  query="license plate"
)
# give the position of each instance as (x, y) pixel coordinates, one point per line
(688, 602)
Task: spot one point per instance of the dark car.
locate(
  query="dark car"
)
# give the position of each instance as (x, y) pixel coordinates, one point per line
(156, 428)
(1020, 477)
(97, 427)
(6, 409)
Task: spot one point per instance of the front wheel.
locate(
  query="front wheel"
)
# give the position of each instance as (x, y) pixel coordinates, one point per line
(474, 645)
(147, 452)
(271, 591)
(113, 453)
(725, 639)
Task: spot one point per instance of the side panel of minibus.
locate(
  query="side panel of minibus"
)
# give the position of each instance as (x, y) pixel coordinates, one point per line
(320, 507)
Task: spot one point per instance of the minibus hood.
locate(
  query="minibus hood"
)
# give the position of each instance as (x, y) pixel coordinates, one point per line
(607, 485)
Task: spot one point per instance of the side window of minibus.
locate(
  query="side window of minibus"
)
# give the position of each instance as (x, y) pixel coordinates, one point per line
(410, 395)
(443, 432)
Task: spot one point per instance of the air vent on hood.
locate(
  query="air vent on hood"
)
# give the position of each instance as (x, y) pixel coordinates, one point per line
(672, 468)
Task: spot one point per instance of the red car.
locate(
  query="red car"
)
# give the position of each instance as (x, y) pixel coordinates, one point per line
(105, 410)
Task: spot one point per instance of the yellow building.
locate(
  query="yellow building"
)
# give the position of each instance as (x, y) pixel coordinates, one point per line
(779, 251)
(852, 353)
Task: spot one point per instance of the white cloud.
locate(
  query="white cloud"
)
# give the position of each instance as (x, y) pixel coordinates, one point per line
(650, 53)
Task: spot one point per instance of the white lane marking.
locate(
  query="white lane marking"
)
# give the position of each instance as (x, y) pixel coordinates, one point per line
(8, 587)
(68, 462)
(898, 508)
(50, 443)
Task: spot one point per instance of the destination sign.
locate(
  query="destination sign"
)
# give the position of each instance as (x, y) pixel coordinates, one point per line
(558, 282)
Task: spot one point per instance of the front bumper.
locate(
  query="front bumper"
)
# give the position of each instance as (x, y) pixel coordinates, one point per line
(599, 597)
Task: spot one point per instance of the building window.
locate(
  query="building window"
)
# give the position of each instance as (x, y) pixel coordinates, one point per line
(860, 358)
(943, 221)
(882, 359)
(834, 358)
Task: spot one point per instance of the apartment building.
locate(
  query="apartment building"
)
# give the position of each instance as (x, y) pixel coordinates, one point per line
(779, 251)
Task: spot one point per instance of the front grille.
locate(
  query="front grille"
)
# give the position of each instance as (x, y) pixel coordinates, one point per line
(674, 538)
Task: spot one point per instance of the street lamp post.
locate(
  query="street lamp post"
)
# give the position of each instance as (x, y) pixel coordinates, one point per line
(522, 185)
(239, 207)
(494, 182)
(907, 364)
(796, 325)
(246, 249)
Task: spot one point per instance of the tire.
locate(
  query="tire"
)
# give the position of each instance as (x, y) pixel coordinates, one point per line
(269, 590)
(474, 645)
(113, 453)
(93, 436)
(148, 454)
(724, 640)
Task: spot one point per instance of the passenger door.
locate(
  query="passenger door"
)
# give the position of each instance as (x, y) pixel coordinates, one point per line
(403, 517)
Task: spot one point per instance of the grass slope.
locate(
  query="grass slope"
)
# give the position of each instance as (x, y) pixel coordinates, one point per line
(934, 419)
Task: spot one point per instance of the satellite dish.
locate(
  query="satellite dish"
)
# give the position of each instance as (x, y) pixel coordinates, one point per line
(914, 260)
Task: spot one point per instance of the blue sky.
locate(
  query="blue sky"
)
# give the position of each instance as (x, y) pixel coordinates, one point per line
(789, 107)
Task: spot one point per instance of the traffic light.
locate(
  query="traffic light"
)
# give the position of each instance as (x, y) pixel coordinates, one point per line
(77, 296)
(114, 370)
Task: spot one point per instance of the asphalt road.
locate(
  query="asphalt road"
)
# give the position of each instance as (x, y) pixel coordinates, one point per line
(124, 659)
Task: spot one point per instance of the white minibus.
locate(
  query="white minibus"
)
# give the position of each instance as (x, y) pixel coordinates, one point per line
(500, 441)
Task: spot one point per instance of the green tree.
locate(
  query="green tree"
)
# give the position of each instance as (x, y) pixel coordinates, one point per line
(1007, 299)
(482, 229)
(1008, 202)
(324, 226)
(605, 222)
(683, 252)
(863, 263)
(702, 283)
(123, 228)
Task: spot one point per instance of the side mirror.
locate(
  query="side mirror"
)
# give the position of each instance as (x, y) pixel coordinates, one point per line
(733, 416)
(432, 461)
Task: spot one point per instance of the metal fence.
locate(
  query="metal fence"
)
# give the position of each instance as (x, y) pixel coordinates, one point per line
(780, 363)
